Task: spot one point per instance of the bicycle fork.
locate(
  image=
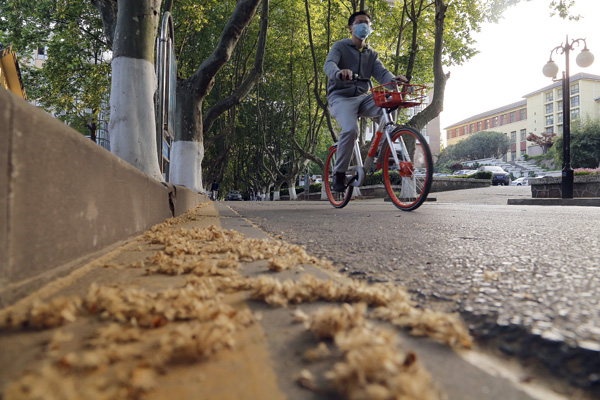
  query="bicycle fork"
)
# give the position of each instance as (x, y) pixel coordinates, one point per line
(388, 127)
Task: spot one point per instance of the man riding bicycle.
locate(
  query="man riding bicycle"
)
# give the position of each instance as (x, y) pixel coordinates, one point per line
(348, 98)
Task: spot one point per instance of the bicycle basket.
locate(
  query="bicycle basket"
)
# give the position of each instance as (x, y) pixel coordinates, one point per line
(399, 95)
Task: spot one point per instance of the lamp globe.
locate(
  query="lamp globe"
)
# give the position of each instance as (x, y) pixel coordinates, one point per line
(550, 69)
(585, 58)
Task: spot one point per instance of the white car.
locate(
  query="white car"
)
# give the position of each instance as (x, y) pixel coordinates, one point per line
(524, 181)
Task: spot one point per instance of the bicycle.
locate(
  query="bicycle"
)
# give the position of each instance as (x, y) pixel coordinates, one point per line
(407, 169)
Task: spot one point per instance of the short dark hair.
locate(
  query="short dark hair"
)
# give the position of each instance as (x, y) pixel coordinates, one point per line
(356, 14)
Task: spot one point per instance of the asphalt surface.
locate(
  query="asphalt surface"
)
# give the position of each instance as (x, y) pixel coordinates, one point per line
(524, 277)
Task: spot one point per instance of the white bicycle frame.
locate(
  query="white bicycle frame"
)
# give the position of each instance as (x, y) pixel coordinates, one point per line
(388, 122)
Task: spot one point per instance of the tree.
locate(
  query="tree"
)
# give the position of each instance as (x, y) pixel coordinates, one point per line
(585, 144)
(545, 140)
(479, 145)
(188, 148)
(75, 77)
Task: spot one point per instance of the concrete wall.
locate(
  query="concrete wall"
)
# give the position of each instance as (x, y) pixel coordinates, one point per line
(63, 197)
(551, 187)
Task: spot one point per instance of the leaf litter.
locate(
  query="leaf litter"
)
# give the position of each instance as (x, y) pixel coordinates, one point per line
(143, 332)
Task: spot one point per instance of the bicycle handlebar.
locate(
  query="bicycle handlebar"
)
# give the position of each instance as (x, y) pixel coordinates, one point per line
(356, 77)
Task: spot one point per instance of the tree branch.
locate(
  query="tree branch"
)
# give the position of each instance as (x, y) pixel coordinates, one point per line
(242, 91)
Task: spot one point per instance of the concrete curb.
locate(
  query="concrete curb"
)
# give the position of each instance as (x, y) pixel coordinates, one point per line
(588, 202)
(63, 197)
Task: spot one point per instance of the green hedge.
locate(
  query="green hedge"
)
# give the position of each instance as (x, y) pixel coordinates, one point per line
(313, 188)
(476, 175)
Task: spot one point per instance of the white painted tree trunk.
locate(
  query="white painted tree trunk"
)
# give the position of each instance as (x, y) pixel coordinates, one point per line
(186, 167)
(276, 195)
(132, 125)
(323, 190)
(293, 194)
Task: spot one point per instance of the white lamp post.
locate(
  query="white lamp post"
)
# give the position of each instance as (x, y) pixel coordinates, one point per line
(584, 60)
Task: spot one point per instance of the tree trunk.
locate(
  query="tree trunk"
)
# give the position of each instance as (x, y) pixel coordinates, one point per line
(292, 190)
(439, 82)
(187, 155)
(188, 146)
(132, 123)
(277, 191)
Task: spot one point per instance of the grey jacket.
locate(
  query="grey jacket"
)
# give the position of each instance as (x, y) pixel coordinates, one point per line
(365, 63)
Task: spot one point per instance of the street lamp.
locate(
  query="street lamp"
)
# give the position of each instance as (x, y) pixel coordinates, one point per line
(584, 60)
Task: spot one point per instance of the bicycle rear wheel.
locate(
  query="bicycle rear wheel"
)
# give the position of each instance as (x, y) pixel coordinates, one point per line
(407, 183)
(337, 199)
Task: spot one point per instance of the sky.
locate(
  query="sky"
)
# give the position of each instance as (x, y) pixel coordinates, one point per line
(512, 55)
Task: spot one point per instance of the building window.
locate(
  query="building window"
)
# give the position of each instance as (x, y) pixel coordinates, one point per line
(523, 114)
(549, 97)
(550, 120)
(575, 113)
(478, 126)
(559, 93)
(513, 117)
(559, 129)
(472, 128)
(487, 124)
(41, 53)
(523, 135)
(575, 101)
(575, 88)
(523, 152)
(513, 137)
(549, 129)
(560, 117)
(513, 155)
(549, 108)
(559, 106)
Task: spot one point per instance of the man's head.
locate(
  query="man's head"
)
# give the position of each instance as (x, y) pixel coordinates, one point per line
(359, 25)
(366, 17)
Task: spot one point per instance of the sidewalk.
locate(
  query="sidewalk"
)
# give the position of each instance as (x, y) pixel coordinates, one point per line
(207, 306)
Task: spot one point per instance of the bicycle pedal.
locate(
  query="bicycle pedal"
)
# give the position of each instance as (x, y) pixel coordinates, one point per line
(355, 177)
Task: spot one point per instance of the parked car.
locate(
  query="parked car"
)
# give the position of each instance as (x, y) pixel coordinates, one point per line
(234, 195)
(500, 176)
(519, 182)
(465, 172)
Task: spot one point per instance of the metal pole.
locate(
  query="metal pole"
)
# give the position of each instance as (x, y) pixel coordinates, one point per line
(567, 171)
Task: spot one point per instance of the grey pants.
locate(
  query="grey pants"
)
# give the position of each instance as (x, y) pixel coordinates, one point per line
(346, 111)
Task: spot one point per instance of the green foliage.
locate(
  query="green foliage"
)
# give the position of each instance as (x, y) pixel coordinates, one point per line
(476, 175)
(479, 145)
(585, 144)
(482, 175)
(375, 178)
(74, 82)
(314, 188)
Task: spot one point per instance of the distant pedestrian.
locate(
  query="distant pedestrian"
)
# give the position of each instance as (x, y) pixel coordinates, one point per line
(214, 190)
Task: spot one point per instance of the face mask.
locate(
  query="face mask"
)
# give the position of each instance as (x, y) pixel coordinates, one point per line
(361, 31)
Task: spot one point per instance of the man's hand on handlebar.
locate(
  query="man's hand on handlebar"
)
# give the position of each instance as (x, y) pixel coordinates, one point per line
(345, 75)
(401, 79)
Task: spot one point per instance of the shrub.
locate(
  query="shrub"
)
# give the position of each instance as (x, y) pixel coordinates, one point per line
(586, 171)
(314, 188)
(482, 175)
(374, 179)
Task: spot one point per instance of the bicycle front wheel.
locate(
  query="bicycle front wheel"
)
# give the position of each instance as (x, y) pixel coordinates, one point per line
(407, 182)
(337, 199)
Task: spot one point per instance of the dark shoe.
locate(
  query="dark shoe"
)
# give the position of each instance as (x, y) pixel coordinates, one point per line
(339, 182)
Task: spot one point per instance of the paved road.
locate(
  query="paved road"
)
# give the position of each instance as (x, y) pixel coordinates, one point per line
(526, 278)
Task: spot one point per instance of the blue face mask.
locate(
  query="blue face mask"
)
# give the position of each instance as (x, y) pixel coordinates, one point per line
(361, 31)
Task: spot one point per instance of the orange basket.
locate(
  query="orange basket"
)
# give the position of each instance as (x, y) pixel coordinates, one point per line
(399, 95)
